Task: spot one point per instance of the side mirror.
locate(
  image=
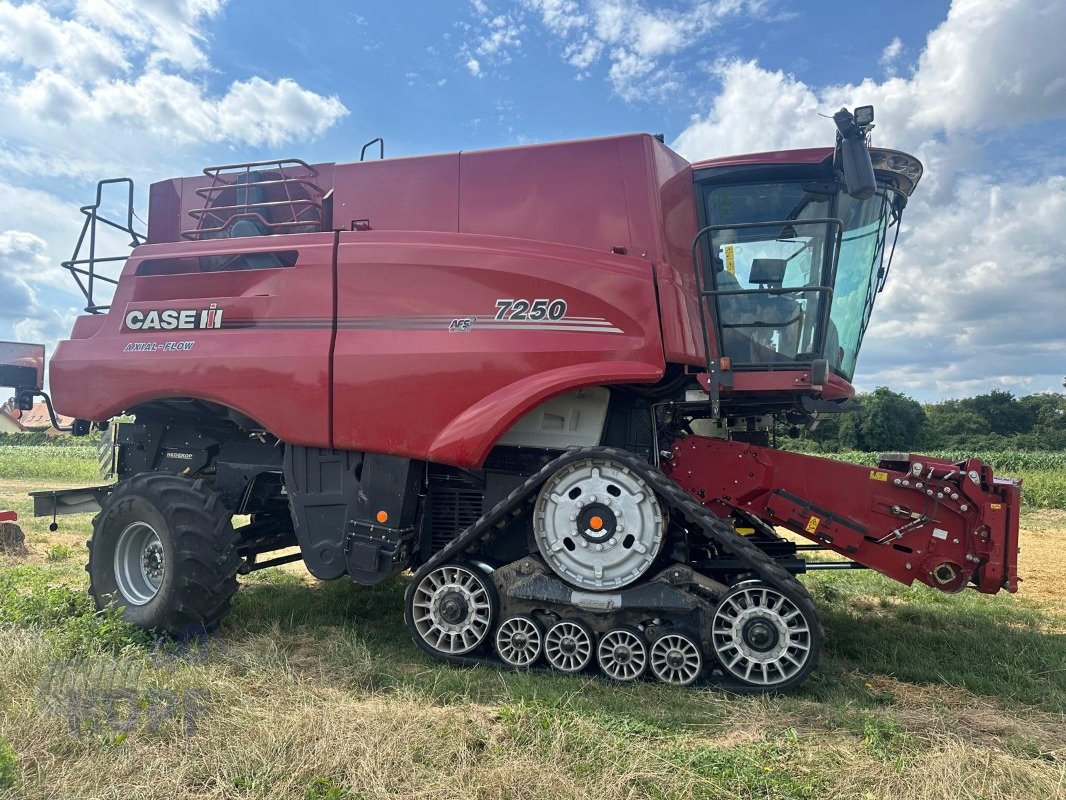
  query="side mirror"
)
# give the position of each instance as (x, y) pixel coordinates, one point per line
(853, 154)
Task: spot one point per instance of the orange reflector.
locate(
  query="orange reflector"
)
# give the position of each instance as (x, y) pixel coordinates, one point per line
(383, 516)
(595, 523)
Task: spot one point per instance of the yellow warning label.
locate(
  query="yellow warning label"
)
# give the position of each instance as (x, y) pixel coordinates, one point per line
(995, 506)
(813, 523)
(730, 260)
(877, 475)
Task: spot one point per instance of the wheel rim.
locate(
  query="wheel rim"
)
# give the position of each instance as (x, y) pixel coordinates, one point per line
(452, 610)
(140, 563)
(518, 641)
(622, 655)
(760, 636)
(676, 659)
(568, 646)
(598, 525)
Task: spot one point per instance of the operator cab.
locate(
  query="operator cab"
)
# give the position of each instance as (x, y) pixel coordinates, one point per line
(789, 261)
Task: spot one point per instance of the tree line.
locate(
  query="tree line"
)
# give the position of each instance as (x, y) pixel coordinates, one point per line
(884, 420)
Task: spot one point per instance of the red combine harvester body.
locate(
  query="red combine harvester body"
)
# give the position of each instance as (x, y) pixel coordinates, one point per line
(544, 378)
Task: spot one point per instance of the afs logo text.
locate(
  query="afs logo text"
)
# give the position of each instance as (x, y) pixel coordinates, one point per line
(174, 319)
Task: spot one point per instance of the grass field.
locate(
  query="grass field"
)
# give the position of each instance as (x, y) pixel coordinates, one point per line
(314, 691)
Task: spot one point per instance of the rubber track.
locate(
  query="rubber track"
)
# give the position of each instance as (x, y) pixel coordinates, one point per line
(677, 499)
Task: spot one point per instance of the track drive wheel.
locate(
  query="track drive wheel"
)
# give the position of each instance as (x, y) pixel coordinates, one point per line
(163, 550)
(766, 638)
(622, 654)
(452, 610)
(569, 645)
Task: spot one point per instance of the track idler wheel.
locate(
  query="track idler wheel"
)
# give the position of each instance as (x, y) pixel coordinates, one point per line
(765, 638)
(676, 659)
(452, 610)
(569, 645)
(519, 641)
(622, 655)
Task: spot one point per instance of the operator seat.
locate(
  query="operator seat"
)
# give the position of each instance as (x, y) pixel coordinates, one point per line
(748, 322)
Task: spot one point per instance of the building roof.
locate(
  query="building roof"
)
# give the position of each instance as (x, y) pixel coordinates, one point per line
(36, 419)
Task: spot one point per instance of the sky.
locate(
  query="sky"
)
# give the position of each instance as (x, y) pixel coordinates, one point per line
(976, 89)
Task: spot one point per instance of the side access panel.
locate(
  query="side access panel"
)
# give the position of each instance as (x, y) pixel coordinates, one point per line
(445, 340)
(207, 320)
(353, 512)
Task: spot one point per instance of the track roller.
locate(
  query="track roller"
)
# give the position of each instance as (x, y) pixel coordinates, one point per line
(569, 645)
(452, 610)
(764, 638)
(622, 655)
(519, 641)
(676, 659)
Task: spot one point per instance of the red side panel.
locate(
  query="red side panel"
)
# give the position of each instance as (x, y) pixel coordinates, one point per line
(413, 194)
(424, 368)
(268, 360)
(675, 215)
(571, 193)
(483, 284)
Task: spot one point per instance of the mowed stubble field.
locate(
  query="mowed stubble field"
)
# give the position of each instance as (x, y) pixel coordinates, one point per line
(314, 691)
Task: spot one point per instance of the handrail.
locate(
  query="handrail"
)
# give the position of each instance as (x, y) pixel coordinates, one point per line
(242, 179)
(381, 151)
(92, 216)
(273, 162)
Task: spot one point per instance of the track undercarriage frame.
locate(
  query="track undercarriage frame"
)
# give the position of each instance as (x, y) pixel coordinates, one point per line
(717, 602)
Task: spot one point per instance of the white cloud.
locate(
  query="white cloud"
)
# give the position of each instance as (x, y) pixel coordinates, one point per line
(96, 87)
(28, 307)
(122, 75)
(637, 39)
(100, 38)
(502, 35)
(756, 110)
(976, 291)
(21, 254)
(977, 284)
(170, 31)
(890, 55)
(493, 41)
(33, 38)
(994, 62)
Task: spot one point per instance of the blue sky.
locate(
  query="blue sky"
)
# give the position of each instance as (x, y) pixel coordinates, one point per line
(386, 62)
(975, 88)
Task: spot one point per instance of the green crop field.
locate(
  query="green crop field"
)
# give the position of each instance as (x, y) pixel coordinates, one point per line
(1043, 474)
(314, 691)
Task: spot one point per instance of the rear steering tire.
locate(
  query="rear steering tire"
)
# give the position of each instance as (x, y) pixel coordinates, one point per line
(163, 550)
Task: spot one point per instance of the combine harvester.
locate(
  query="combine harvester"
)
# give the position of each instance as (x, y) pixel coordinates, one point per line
(546, 379)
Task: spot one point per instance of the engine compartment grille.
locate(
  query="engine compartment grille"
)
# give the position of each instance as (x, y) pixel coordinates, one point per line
(452, 509)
